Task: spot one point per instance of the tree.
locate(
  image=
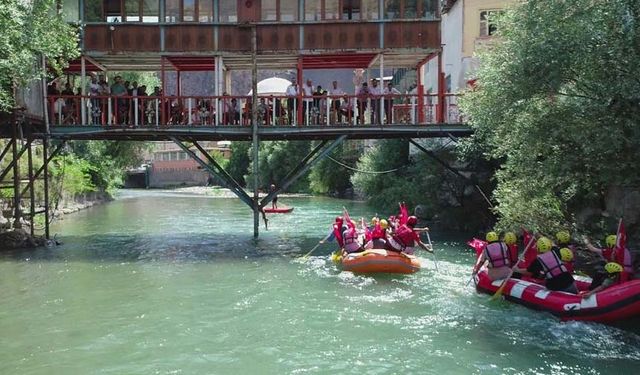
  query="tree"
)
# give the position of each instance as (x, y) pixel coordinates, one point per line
(30, 30)
(278, 158)
(239, 161)
(557, 104)
(329, 177)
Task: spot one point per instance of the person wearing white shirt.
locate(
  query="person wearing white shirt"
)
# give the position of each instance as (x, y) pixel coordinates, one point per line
(389, 93)
(292, 93)
(336, 93)
(307, 101)
(376, 94)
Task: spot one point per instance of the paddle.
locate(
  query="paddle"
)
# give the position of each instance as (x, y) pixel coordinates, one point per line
(305, 256)
(498, 292)
(435, 261)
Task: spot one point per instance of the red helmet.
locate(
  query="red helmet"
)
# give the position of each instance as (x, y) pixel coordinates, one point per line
(338, 219)
(412, 220)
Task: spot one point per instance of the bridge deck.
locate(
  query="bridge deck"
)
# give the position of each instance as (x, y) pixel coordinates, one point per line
(244, 133)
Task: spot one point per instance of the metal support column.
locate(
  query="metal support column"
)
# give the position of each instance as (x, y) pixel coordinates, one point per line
(441, 98)
(215, 169)
(16, 175)
(32, 195)
(254, 121)
(45, 160)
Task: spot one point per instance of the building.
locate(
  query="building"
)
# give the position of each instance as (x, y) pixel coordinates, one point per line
(466, 26)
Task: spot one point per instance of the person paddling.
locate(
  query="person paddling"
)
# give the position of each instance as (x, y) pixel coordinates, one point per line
(549, 264)
(406, 237)
(613, 253)
(497, 254)
(614, 272)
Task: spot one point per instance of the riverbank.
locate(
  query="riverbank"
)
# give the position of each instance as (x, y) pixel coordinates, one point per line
(216, 191)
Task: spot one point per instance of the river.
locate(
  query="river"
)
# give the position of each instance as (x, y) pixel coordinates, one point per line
(166, 283)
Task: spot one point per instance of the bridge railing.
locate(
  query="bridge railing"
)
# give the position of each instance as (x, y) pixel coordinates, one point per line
(272, 110)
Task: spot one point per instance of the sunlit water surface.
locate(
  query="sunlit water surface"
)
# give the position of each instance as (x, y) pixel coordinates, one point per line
(163, 283)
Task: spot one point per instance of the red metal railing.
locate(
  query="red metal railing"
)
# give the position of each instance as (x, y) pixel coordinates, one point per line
(273, 110)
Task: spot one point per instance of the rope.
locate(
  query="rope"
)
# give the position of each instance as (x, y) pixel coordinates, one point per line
(361, 171)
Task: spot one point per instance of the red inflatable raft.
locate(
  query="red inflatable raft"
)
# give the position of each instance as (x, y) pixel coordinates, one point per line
(378, 261)
(279, 210)
(613, 304)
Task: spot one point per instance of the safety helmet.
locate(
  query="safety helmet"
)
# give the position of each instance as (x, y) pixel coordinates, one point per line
(611, 240)
(492, 237)
(374, 220)
(613, 267)
(384, 224)
(563, 237)
(510, 238)
(566, 254)
(338, 219)
(412, 220)
(544, 244)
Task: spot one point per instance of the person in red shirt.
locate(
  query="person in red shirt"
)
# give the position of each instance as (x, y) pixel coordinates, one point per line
(406, 237)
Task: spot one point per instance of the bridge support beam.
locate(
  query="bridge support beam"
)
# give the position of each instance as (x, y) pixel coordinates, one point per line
(215, 169)
(312, 158)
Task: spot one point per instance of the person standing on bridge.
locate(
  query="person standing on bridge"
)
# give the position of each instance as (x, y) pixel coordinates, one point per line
(336, 93)
(292, 94)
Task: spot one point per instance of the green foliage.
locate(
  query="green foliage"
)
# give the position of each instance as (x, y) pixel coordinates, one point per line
(30, 30)
(329, 177)
(557, 104)
(73, 174)
(238, 165)
(278, 158)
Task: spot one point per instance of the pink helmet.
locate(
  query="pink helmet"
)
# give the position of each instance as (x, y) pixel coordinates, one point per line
(412, 221)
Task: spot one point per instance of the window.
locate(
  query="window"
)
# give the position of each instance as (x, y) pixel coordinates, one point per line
(228, 10)
(150, 10)
(288, 10)
(172, 11)
(351, 9)
(488, 22)
(188, 10)
(205, 11)
(331, 9)
(410, 9)
(313, 10)
(132, 10)
(370, 10)
(269, 10)
(93, 11)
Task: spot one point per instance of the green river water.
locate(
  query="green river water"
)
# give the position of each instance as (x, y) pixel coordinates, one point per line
(164, 283)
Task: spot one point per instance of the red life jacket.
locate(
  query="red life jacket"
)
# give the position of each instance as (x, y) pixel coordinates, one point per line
(498, 254)
(378, 232)
(404, 236)
(551, 265)
(338, 233)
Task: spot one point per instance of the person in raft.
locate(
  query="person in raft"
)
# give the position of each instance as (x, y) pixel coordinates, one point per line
(563, 240)
(351, 238)
(612, 253)
(406, 237)
(614, 273)
(498, 256)
(274, 201)
(549, 264)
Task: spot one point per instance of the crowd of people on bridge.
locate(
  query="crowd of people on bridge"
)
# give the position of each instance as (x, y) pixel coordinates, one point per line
(127, 103)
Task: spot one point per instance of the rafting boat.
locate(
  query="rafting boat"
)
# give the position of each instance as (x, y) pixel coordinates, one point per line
(613, 304)
(279, 210)
(378, 261)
